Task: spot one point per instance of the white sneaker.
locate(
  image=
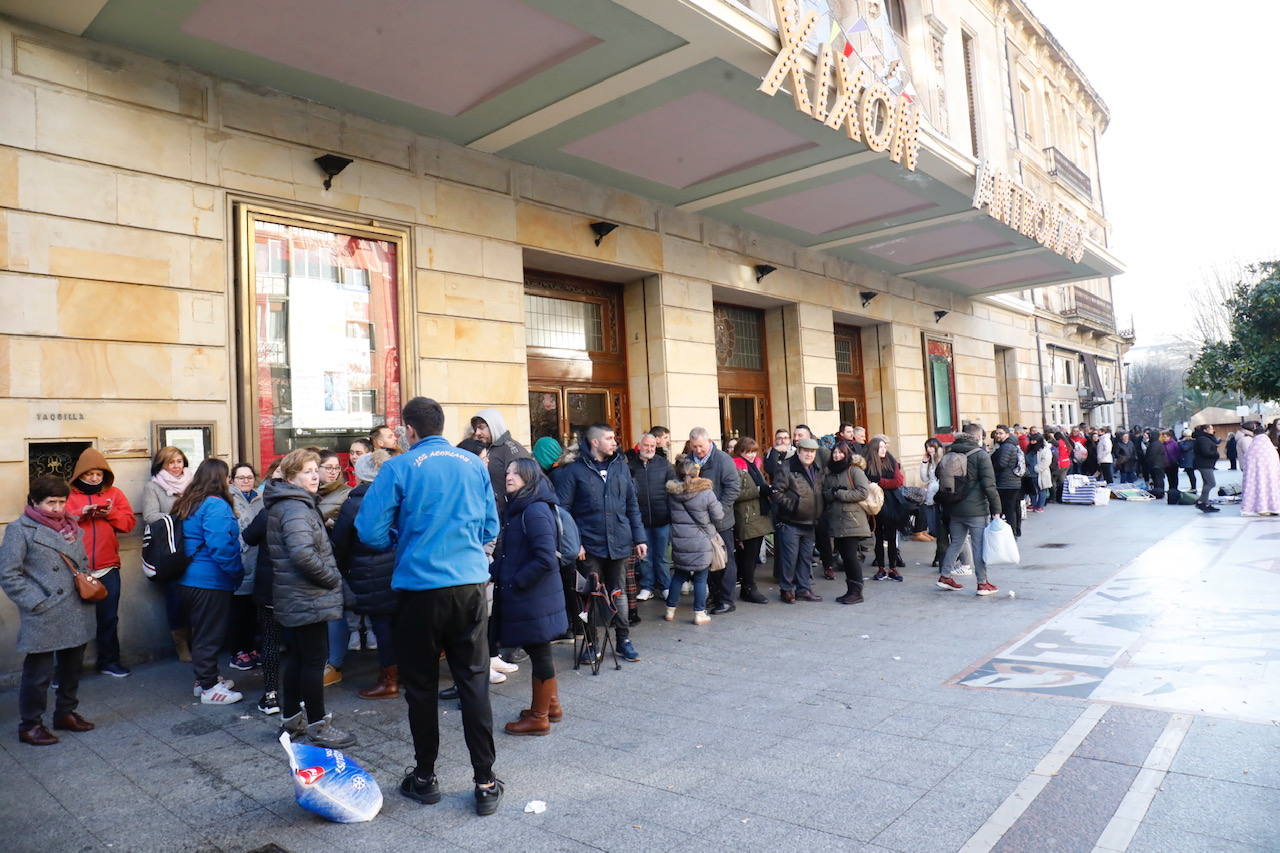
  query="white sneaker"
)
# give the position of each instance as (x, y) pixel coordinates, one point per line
(224, 682)
(671, 614)
(353, 642)
(962, 570)
(686, 588)
(496, 677)
(665, 593)
(701, 617)
(500, 665)
(220, 694)
(644, 595)
(371, 641)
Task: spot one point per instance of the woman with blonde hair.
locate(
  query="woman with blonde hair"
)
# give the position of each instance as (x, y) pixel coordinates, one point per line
(307, 592)
(170, 476)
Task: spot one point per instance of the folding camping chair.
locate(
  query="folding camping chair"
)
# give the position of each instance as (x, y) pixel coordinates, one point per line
(600, 613)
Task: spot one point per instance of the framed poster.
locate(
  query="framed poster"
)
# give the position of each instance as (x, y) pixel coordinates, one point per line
(194, 438)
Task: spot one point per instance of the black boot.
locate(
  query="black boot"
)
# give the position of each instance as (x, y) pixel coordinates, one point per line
(854, 594)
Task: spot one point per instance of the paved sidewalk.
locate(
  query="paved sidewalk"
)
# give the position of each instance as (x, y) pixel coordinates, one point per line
(784, 727)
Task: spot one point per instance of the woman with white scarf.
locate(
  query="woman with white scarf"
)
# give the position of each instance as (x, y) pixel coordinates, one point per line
(170, 476)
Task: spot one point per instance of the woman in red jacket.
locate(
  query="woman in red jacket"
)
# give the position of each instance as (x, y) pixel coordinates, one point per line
(882, 468)
(103, 512)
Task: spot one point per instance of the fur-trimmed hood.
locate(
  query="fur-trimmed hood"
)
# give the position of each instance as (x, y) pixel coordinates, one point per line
(690, 487)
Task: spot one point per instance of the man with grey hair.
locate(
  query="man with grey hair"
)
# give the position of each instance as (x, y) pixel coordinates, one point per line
(599, 493)
(651, 471)
(725, 484)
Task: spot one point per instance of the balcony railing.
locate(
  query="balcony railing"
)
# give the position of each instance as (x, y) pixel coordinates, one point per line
(1060, 166)
(1088, 308)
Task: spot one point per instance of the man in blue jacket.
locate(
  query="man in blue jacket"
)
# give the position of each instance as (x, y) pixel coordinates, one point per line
(435, 505)
(599, 493)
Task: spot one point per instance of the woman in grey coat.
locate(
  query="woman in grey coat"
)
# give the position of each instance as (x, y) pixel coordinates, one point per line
(844, 486)
(39, 552)
(170, 475)
(695, 510)
(307, 592)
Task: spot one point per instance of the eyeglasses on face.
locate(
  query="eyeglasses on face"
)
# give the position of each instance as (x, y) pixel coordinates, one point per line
(330, 467)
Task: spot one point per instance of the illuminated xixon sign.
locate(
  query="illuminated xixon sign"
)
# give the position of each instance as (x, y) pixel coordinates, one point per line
(863, 107)
(1046, 222)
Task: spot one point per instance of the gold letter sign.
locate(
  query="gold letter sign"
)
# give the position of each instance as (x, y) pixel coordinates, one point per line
(1046, 222)
(863, 110)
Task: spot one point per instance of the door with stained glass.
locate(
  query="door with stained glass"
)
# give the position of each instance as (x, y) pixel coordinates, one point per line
(742, 372)
(577, 367)
(850, 387)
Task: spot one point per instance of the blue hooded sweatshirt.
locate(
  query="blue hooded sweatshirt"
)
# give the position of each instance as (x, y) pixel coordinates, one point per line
(435, 505)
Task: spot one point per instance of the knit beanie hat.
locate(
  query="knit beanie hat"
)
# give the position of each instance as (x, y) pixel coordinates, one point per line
(546, 451)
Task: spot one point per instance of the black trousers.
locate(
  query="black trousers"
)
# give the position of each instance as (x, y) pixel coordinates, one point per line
(269, 648)
(850, 549)
(613, 574)
(572, 606)
(454, 620)
(1171, 477)
(37, 672)
(1155, 481)
(208, 611)
(826, 553)
(1107, 470)
(1191, 477)
(241, 624)
(1009, 500)
(540, 660)
(722, 586)
(107, 611)
(886, 544)
(746, 557)
(302, 669)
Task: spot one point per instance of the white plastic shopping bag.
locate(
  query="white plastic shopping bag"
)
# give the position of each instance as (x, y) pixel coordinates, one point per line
(999, 547)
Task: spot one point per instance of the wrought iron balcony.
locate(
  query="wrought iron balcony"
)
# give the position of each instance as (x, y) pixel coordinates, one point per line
(1060, 166)
(1088, 309)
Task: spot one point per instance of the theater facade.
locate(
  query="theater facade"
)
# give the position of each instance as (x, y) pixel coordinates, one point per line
(242, 227)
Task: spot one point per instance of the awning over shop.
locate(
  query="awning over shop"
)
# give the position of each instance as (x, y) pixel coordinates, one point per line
(654, 97)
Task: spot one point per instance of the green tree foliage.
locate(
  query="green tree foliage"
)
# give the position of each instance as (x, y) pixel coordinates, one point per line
(1248, 363)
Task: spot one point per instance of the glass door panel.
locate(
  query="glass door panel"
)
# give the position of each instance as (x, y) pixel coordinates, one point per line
(544, 413)
(741, 414)
(584, 408)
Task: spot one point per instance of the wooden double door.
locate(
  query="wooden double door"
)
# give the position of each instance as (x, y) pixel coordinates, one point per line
(577, 367)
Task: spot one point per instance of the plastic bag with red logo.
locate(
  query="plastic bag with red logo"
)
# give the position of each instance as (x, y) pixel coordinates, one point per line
(331, 784)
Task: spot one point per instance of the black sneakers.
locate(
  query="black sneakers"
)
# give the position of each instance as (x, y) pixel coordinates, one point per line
(487, 799)
(427, 792)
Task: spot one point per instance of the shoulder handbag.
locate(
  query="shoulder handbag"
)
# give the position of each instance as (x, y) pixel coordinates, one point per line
(89, 587)
(719, 557)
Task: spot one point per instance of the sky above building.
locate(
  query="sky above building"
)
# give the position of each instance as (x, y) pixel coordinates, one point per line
(1186, 180)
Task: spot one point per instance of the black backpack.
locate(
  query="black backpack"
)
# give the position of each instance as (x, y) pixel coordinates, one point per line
(164, 557)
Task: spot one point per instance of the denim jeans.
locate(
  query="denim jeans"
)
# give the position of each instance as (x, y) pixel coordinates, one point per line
(1039, 499)
(971, 526)
(795, 557)
(678, 578)
(655, 568)
(108, 613)
(381, 626)
(339, 636)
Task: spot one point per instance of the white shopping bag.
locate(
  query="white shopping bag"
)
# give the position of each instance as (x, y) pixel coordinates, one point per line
(999, 547)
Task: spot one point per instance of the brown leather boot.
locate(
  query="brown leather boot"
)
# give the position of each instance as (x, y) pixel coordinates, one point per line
(536, 723)
(555, 713)
(388, 686)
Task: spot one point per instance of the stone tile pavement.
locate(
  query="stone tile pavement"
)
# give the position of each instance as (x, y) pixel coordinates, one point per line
(784, 727)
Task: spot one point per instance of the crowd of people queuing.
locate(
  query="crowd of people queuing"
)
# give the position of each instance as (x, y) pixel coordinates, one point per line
(425, 551)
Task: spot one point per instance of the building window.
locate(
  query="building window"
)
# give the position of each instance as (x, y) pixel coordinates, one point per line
(940, 369)
(1024, 110)
(844, 355)
(897, 17)
(739, 332)
(1046, 120)
(563, 324)
(323, 304)
(971, 87)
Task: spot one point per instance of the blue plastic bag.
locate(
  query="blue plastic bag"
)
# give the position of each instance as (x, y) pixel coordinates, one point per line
(327, 782)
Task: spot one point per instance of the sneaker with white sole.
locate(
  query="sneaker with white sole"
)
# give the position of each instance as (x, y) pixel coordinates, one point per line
(701, 617)
(987, 589)
(686, 588)
(225, 682)
(671, 614)
(644, 595)
(502, 666)
(269, 703)
(947, 582)
(220, 694)
(371, 641)
(353, 642)
(963, 569)
(496, 677)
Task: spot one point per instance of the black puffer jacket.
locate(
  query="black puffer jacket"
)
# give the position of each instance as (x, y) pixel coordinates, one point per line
(255, 535)
(1206, 450)
(1004, 459)
(367, 570)
(307, 587)
(651, 488)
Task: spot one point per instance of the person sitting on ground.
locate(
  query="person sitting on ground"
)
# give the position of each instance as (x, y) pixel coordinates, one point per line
(528, 605)
(695, 511)
(54, 622)
(103, 512)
